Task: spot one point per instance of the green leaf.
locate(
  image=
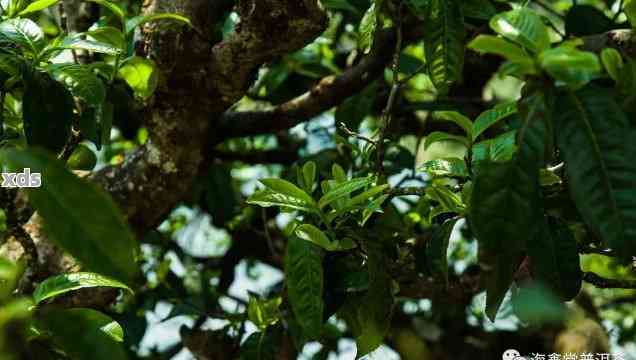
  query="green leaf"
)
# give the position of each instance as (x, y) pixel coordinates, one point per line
(554, 256)
(375, 309)
(106, 114)
(82, 158)
(37, 6)
(573, 67)
(495, 45)
(83, 333)
(314, 235)
(456, 118)
(133, 23)
(478, 9)
(102, 241)
(499, 149)
(112, 7)
(268, 198)
(78, 43)
(522, 26)
(10, 273)
(304, 280)
(344, 189)
(309, 175)
(437, 136)
(367, 29)
(288, 189)
(629, 8)
(503, 207)
(81, 81)
(449, 200)
(373, 207)
(264, 313)
(436, 250)
(444, 43)
(490, 117)
(47, 112)
(447, 167)
(366, 195)
(597, 144)
(141, 74)
(10, 64)
(548, 178)
(613, 62)
(23, 32)
(108, 35)
(61, 284)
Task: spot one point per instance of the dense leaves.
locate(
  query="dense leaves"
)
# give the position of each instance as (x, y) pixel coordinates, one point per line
(594, 136)
(409, 156)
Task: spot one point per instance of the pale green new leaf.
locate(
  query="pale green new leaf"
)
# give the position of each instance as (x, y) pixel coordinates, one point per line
(263, 313)
(574, 67)
(629, 8)
(141, 74)
(37, 6)
(367, 29)
(61, 284)
(495, 45)
(522, 26)
(112, 7)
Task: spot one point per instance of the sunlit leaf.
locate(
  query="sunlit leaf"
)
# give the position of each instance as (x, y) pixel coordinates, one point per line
(61, 284)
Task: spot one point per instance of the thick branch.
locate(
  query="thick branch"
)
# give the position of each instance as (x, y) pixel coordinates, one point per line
(199, 80)
(329, 92)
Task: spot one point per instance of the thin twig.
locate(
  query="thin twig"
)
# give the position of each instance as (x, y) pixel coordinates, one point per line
(388, 110)
(605, 283)
(349, 132)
